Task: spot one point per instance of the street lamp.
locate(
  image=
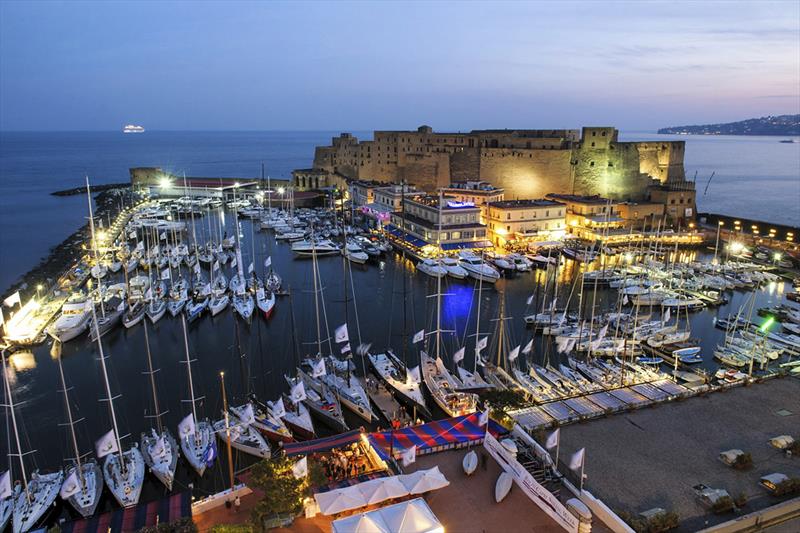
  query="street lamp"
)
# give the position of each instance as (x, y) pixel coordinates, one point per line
(38, 290)
(716, 245)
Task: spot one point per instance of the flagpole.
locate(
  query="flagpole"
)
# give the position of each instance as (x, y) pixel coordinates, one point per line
(227, 428)
(558, 446)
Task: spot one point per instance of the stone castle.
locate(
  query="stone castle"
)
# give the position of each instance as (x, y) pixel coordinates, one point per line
(526, 163)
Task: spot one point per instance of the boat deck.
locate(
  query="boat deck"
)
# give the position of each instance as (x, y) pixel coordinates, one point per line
(387, 406)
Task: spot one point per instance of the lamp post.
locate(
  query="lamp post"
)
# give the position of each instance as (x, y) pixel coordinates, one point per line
(716, 245)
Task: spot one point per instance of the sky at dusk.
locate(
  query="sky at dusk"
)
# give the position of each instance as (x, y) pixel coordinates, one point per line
(364, 66)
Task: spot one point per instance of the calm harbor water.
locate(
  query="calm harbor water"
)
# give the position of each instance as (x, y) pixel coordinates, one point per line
(34, 164)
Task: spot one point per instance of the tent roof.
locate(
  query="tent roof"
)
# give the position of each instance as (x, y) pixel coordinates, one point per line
(425, 480)
(321, 445)
(413, 516)
(378, 490)
(340, 500)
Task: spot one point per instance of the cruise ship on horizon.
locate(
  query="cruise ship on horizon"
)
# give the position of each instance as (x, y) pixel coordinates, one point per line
(132, 128)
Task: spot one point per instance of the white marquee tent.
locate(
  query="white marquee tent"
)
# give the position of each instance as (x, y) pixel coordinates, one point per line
(379, 490)
(413, 516)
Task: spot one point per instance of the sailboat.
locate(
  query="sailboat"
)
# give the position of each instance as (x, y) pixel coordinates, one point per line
(37, 494)
(122, 470)
(197, 439)
(472, 380)
(239, 432)
(320, 400)
(84, 481)
(266, 419)
(242, 300)
(159, 449)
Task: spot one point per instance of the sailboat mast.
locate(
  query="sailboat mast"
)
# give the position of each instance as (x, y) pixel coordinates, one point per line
(189, 369)
(91, 218)
(227, 427)
(16, 430)
(316, 291)
(152, 375)
(108, 390)
(478, 320)
(403, 271)
(439, 283)
(70, 421)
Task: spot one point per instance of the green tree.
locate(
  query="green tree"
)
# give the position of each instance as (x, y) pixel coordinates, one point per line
(283, 493)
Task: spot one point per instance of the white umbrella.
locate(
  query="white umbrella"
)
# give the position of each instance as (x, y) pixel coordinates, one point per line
(340, 500)
(378, 490)
(424, 480)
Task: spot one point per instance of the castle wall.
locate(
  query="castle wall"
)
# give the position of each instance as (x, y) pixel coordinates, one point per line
(526, 173)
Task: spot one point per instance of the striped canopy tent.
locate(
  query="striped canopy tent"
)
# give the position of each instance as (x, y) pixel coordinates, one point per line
(324, 444)
(161, 511)
(435, 436)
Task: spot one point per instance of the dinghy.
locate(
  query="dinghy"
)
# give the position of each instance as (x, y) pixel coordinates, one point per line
(503, 486)
(470, 462)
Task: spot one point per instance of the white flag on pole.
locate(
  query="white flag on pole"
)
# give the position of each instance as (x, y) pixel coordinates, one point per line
(483, 419)
(552, 439)
(298, 392)
(513, 354)
(418, 336)
(215, 266)
(300, 468)
(602, 333)
(481, 344)
(13, 300)
(458, 356)
(163, 236)
(196, 269)
(268, 262)
(71, 486)
(234, 263)
(576, 461)
(318, 368)
(140, 246)
(346, 348)
(528, 347)
(248, 416)
(5, 485)
(165, 274)
(413, 374)
(341, 334)
(186, 427)
(106, 444)
(409, 455)
(2, 318)
(278, 409)
(363, 348)
(624, 299)
(250, 268)
(667, 315)
(479, 360)
(159, 447)
(132, 235)
(529, 301)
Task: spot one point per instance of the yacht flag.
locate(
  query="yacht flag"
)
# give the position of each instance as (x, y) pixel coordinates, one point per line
(210, 455)
(163, 236)
(5, 485)
(278, 409)
(250, 268)
(341, 334)
(481, 344)
(528, 347)
(346, 348)
(71, 486)
(300, 468)
(513, 354)
(529, 301)
(268, 262)
(298, 392)
(576, 461)
(409, 456)
(602, 334)
(159, 447)
(106, 444)
(418, 336)
(458, 356)
(483, 418)
(247, 417)
(413, 374)
(624, 299)
(132, 235)
(2, 318)
(186, 427)
(318, 368)
(12, 300)
(215, 266)
(165, 274)
(553, 439)
(363, 348)
(666, 316)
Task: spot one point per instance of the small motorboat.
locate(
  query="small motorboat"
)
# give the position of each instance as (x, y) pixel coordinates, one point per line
(653, 361)
(134, 314)
(432, 268)
(503, 486)
(470, 462)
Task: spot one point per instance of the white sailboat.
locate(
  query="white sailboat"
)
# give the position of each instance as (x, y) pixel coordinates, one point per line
(122, 470)
(197, 438)
(34, 498)
(84, 481)
(239, 432)
(472, 380)
(159, 449)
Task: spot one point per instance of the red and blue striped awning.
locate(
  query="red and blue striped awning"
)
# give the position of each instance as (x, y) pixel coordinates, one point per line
(161, 511)
(321, 445)
(434, 436)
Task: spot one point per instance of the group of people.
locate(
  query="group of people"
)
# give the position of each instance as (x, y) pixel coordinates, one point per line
(344, 463)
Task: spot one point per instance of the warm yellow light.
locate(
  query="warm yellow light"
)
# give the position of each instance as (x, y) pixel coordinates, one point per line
(777, 256)
(691, 224)
(721, 223)
(101, 235)
(281, 190)
(236, 184)
(164, 182)
(39, 287)
(736, 247)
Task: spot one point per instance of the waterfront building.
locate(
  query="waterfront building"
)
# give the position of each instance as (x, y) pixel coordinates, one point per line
(427, 224)
(523, 221)
(638, 215)
(387, 200)
(525, 163)
(479, 193)
(362, 192)
(679, 200)
(591, 217)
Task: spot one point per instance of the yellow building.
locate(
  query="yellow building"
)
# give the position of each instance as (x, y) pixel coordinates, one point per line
(519, 221)
(591, 217)
(478, 193)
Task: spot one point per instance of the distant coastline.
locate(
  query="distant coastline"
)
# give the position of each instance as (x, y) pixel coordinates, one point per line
(781, 125)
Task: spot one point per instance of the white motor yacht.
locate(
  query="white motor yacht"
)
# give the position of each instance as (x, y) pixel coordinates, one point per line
(309, 248)
(354, 253)
(432, 268)
(74, 319)
(477, 268)
(454, 270)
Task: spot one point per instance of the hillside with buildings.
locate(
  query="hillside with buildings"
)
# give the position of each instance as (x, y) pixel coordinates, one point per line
(784, 125)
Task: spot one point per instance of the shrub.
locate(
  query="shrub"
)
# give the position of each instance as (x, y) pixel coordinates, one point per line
(232, 528)
(184, 525)
(722, 505)
(743, 462)
(788, 486)
(740, 500)
(283, 493)
(655, 524)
